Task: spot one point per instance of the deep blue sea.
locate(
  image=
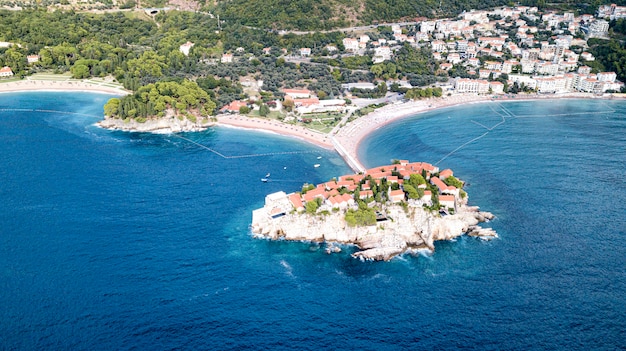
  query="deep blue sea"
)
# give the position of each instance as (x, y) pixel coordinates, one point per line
(128, 241)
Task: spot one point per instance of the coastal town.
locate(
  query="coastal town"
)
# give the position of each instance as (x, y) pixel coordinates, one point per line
(384, 211)
(502, 51)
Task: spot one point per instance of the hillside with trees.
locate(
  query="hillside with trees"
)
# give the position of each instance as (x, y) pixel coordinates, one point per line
(182, 99)
(327, 14)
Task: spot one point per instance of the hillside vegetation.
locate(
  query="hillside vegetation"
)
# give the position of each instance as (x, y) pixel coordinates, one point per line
(328, 14)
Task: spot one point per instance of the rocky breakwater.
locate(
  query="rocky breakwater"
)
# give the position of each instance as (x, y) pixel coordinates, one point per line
(403, 229)
(168, 124)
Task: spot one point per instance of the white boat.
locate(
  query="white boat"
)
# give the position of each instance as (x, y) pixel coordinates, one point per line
(319, 157)
(316, 165)
(267, 175)
(264, 180)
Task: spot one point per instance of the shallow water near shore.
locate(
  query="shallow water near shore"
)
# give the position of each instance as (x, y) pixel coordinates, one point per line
(116, 240)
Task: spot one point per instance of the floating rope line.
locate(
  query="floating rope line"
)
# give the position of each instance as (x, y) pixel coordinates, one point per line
(504, 116)
(568, 114)
(462, 146)
(47, 111)
(505, 113)
(244, 156)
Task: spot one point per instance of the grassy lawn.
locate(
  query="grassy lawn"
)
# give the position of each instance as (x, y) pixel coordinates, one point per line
(321, 122)
(319, 127)
(51, 76)
(272, 114)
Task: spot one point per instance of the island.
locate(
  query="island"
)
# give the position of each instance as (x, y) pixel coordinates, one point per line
(385, 211)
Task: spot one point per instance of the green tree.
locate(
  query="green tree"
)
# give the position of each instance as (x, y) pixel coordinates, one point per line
(312, 206)
(80, 71)
(288, 105)
(264, 110)
(451, 180)
(111, 108)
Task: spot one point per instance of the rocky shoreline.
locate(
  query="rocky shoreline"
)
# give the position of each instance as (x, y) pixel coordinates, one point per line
(156, 125)
(404, 231)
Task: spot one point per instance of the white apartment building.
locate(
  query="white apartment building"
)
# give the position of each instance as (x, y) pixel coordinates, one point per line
(350, 44)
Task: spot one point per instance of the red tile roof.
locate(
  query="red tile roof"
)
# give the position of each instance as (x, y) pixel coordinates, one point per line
(234, 106)
(296, 200)
(446, 198)
(445, 173)
(365, 194)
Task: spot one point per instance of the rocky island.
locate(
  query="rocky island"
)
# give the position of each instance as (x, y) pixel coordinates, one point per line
(384, 211)
(161, 107)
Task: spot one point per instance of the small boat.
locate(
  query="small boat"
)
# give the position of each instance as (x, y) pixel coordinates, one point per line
(267, 175)
(316, 165)
(319, 157)
(264, 180)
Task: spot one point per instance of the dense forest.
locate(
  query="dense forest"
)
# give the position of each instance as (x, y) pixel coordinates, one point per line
(185, 99)
(327, 14)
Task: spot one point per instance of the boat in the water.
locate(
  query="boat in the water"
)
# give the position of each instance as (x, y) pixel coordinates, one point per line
(264, 180)
(267, 175)
(319, 157)
(316, 165)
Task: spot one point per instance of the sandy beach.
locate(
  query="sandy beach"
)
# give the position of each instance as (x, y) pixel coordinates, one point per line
(349, 137)
(59, 85)
(316, 138)
(346, 141)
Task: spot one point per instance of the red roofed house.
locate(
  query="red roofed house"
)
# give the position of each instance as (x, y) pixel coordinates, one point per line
(447, 201)
(297, 93)
(396, 195)
(32, 58)
(306, 102)
(445, 173)
(312, 194)
(364, 194)
(439, 184)
(443, 188)
(345, 183)
(340, 201)
(333, 192)
(6, 71)
(234, 106)
(296, 201)
(355, 177)
(392, 179)
(331, 185)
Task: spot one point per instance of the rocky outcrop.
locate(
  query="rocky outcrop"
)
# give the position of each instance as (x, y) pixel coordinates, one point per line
(404, 230)
(169, 124)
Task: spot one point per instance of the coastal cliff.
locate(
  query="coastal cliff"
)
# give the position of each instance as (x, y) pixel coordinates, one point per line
(385, 211)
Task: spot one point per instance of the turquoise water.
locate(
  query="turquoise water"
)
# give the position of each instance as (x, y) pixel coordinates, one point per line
(111, 240)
